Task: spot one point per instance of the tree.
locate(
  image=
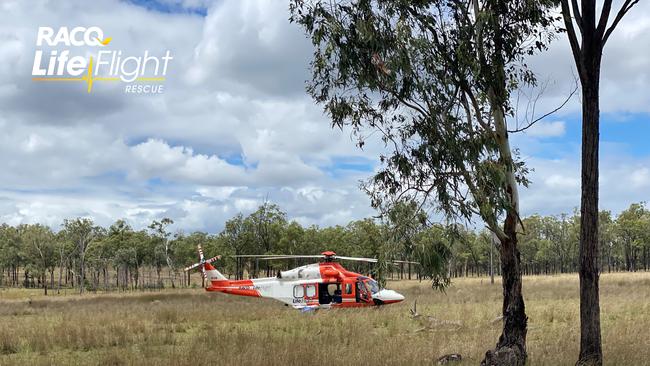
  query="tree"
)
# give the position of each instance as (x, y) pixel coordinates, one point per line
(632, 228)
(403, 222)
(64, 250)
(40, 251)
(159, 230)
(532, 244)
(587, 56)
(123, 253)
(81, 231)
(238, 238)
(434, 79)
(365, 238)
(606, 233)
(432, 252)
(267, 224)
(10, 252)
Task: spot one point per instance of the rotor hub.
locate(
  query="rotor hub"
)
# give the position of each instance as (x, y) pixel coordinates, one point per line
(329, 255)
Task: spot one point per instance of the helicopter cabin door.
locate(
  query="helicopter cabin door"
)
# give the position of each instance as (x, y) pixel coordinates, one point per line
(362, 293)
(329, 293)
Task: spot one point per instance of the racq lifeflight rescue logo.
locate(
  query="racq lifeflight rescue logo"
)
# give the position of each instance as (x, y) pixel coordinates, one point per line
(141, 74)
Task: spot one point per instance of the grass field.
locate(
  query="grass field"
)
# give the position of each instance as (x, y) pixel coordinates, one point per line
(190, 327)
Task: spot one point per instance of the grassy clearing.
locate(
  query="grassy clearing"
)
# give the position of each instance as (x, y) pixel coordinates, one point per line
(186, 327)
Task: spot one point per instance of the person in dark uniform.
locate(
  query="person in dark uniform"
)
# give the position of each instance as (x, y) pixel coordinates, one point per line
(337, 298)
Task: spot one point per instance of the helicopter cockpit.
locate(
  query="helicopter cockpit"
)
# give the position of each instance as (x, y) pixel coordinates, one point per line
(366, 287)
(372, 285)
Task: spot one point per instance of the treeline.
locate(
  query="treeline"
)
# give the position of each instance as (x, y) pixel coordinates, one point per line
(88, 257)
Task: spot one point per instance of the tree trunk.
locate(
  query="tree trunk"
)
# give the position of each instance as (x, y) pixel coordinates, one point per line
(82, 273)
(511, 347)
(491, 262)
(590, 338)
(136, 275)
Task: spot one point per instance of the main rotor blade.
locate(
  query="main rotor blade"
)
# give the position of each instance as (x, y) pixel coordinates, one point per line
(406, 262)
(371, 260)
(291, 257)
(356, 259)
(277, 256)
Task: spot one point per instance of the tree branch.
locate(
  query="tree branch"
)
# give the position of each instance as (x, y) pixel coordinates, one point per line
(604, 18)
(627, 5)
(571, 33)
(575, 89)
(576, 14)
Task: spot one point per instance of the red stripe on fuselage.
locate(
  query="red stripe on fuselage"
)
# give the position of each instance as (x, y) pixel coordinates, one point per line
(241, 287)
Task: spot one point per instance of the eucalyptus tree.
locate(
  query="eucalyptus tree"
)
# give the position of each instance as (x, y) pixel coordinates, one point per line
(432, 251)
(64, 250)
(606, 239)
(81, 232)
(267, 223)
(238, 237)
(365, 238)
(403, 222)
(159, 231)
(39, 247)
(99, 257)
(292, 239)
(123, 253)
(587, 54)
(531, 244)
(632, 227)
(434, 78)
(10, 252)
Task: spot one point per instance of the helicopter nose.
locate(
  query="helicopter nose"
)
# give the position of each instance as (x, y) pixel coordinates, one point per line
(389, 296)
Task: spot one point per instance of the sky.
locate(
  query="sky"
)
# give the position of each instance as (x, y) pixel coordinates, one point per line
(234, 126)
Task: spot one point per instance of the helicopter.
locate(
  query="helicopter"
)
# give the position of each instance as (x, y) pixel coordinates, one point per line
(325, 284)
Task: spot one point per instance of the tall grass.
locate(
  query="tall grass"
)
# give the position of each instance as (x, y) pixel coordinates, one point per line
(189, 327)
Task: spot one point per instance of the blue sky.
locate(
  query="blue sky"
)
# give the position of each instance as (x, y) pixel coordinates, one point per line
(631, 131)
(171, 6)
(620, 134)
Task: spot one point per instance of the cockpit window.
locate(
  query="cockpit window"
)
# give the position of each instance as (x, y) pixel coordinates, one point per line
(372, 286)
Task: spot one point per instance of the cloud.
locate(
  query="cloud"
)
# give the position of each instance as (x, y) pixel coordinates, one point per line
(235, 127)
(547, 129)
(625, 70)
(641, 177)
(243, 40)
(562, 182)
(155, 158)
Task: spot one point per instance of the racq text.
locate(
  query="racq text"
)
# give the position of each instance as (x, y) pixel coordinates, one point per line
(144, 88)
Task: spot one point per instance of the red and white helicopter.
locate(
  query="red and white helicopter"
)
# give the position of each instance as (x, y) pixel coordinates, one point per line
(319, 285)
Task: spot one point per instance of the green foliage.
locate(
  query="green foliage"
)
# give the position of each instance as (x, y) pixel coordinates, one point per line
(548, 245)
(633, 234)
(431, 77)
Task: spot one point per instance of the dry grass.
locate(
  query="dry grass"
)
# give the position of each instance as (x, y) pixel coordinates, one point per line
(190, 327)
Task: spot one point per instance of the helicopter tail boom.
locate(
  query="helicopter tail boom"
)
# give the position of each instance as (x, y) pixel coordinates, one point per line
(213, 274)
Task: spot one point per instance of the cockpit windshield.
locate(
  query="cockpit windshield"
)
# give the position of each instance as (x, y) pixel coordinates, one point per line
(372, 286)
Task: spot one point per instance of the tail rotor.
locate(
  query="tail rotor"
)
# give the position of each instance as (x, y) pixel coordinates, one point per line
(202, 262)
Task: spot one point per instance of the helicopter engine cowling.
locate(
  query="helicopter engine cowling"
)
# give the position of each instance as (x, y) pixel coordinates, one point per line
(308, 272)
